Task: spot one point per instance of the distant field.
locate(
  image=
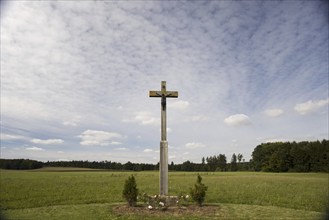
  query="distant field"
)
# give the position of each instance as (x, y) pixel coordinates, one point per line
(55, 194)
(64, 169)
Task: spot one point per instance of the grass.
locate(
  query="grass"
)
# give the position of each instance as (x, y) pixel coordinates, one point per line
(104, 211)
(92, 195)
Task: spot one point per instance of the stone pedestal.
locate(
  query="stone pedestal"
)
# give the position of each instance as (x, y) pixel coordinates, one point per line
(164, 168)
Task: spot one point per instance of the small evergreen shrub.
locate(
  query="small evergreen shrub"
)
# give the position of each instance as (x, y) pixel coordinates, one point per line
(198, 192)
(130, 191)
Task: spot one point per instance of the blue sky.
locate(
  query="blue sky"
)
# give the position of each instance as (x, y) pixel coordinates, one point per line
(75, 77)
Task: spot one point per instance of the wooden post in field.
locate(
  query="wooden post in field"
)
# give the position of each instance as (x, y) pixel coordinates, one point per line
(164, 143)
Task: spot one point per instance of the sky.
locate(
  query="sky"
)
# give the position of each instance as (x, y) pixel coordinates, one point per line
(76, 76)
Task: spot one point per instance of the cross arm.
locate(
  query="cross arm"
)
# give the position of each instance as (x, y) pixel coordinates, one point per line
(172, 94)
(167, 94)
(155, 93)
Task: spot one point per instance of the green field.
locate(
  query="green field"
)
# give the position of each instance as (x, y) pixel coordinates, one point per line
(79, 194)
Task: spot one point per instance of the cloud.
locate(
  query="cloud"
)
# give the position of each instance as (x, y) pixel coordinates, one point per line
(62, 159)
(144, 118)
(274, 140)
(273, 112)
(148, 150)
(70, 123)
(95, 137)
(34, 149)
(199, 118)
(310, 106)
(24, 108)
(194, 145)
(7, 137)
(47, 141)
(99, 59)
(238, 119)
(73, 122)
(178, 105)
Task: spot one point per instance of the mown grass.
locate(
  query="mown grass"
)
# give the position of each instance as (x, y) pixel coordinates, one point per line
(104, 211)
(306, 191)
(91, 195)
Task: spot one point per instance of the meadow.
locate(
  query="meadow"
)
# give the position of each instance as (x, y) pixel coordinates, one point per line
(86, 194)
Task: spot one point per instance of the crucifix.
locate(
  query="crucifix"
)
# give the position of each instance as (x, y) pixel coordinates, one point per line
(164, 143)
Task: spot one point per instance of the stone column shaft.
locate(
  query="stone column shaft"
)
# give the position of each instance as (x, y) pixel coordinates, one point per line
(163, 168)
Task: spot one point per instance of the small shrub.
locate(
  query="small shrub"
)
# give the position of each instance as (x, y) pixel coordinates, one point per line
(130, 191)
(198, 192)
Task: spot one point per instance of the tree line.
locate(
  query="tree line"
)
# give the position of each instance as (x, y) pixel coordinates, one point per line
(20, 164)
(213, 164)
(269, 157)
(291, 156)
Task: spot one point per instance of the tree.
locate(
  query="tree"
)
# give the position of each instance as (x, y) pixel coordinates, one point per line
(20, 164)
(187, 166)
(240, 156)
(204, 166)
(130, 191)
(304, 156)
(157, 166)
(172, 166)
(128, 166)
(277, 163)
(261, 155)
(222, 162)
(234, 166)
(212, 163)
(198, 192)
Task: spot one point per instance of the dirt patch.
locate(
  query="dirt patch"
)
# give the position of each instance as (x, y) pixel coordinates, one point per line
(191, 210)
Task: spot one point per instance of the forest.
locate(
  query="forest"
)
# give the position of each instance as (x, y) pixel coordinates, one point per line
(268, 157)
(291, 156)
(20, 164)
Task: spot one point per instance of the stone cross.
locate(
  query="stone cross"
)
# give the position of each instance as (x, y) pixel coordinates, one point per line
(164, 143)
